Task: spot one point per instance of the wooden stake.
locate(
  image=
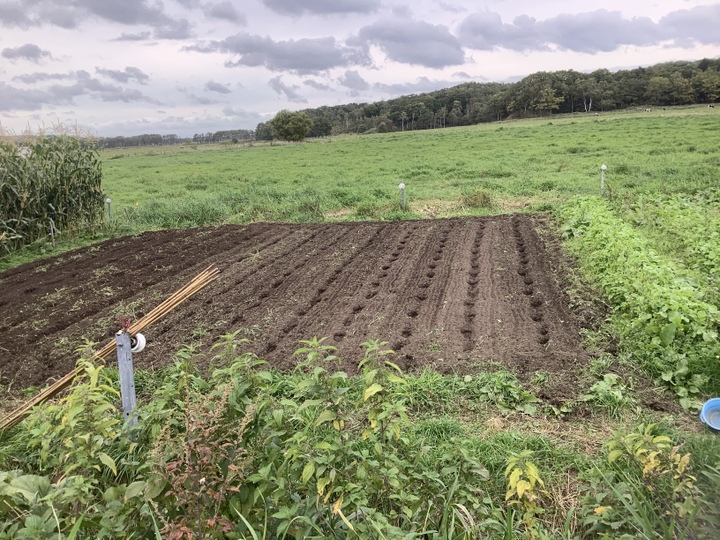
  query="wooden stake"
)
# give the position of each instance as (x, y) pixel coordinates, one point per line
(173, 301)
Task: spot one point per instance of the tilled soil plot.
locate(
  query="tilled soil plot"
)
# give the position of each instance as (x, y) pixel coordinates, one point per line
(454, 294)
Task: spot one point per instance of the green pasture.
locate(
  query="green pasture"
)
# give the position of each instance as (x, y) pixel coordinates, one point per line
(529, 164)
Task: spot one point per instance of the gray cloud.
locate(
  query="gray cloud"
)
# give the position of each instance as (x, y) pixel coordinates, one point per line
(417, 43)
(699, 24)
(126, 12)
(240, 114)
(451, 8)
(14, 14)
(201, 100)
(129, 74)
(21, 99)
(421, 85)
(402, 11)
(34, 78)
(140, 36)
(485, 31)
(462, 75)
(316, 85)
(13, 98)
(29, 52)
(592, 32)
(87, 85)
(69, 14)
(189, 4)
(322, 7)
(301, 56)
(354, 81)
(179, 29)
(289, 92)
(225, 11)
(213, 86)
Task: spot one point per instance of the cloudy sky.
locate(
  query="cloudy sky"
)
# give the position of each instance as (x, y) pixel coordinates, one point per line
(124, 67)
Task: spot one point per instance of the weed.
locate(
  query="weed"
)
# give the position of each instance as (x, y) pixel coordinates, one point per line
(479, 198)
(609, 394)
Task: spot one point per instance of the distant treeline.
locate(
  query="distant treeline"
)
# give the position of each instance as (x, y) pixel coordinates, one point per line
(539, 94)
(153, 139)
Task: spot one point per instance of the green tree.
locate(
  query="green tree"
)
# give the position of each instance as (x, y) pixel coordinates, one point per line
(658, 90)
(321, 127)
(682, 91)
(291, 126)
(263, 132)
(546, 99)
(707, 86)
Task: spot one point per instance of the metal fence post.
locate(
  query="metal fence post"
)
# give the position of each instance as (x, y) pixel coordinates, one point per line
(127, 378)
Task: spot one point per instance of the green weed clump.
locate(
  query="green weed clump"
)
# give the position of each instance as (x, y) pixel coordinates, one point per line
(480, 198)
(647, 489)
(685, 228)
(665, 318)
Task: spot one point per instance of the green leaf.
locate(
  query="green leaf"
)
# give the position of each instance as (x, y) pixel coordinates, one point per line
(371, 390)
(395, 379)
(667, 334)
(108, 462)
(134, 490)
(322, 483)
(155, 487)
(76, 528)
(325, 416)
(309, 403)
(308, 471)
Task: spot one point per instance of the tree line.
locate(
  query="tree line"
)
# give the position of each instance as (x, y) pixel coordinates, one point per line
(539, 94)
(154, 139)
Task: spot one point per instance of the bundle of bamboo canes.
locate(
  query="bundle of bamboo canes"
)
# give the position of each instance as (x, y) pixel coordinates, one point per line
(173, 301)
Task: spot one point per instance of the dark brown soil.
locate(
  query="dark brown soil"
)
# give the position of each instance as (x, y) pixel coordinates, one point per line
(455, 294)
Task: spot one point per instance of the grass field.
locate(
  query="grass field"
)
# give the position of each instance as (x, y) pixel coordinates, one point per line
(322, 454)
(479, 169)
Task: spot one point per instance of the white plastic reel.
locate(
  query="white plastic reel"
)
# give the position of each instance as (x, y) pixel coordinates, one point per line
(137, 343)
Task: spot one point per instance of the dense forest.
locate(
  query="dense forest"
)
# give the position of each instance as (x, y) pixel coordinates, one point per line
(539, 94)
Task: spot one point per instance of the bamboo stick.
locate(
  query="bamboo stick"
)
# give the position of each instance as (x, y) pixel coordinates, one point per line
(170, 303)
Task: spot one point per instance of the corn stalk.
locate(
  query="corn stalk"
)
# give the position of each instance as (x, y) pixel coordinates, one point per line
(53, 180)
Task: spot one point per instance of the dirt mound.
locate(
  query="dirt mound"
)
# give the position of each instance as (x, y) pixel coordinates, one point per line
(453, 294)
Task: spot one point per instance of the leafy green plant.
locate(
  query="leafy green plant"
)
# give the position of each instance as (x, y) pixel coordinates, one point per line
(685, 384)
(505, 390)
(651, 489)
(80, 451)
(610, 394)
(524, 489)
